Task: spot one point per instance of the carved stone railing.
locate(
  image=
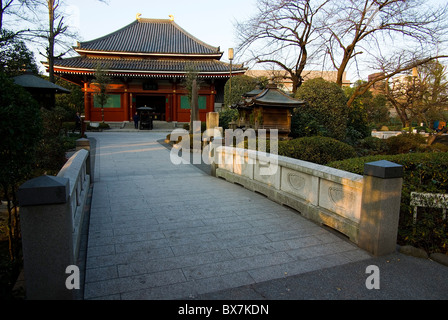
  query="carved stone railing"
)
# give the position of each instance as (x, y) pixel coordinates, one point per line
(76, 171)
(52, 212)
(364, 208)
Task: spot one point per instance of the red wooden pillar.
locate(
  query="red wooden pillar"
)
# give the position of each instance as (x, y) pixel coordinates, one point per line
(86, 101)
(169, 109)
(131, 107)
(174, 103)
(126, 114)
(211, 104)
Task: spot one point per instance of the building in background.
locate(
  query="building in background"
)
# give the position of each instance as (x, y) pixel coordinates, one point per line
(280, 77)
(147, 62)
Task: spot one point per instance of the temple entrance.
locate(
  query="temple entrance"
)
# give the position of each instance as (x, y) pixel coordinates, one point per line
(158, 103)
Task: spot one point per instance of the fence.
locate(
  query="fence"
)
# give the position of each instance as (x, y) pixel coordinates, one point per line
(52, 211)
(364, 208)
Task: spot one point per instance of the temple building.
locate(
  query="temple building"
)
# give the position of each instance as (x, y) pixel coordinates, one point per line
(147, 62)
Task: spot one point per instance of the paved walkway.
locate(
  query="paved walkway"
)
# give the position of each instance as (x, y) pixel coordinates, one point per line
(164, 231)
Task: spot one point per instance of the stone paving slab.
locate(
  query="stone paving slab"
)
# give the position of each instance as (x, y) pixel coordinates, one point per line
(164, 231)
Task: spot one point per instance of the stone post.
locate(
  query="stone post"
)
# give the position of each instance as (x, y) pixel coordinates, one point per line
(84, 143)
(214, 156)
(380, 208)
(47, 237)
(212, 120)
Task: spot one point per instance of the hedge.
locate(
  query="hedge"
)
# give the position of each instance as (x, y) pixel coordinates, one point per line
(423, 172)
(320, 150)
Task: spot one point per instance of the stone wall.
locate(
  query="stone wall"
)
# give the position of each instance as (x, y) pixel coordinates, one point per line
(52, 212)
(329, 196)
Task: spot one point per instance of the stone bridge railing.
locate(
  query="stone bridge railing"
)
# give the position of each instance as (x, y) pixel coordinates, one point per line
(364, 208)
(52, 212)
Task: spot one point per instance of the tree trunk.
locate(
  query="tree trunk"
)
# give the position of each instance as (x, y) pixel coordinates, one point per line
(194, 105)
(51, 41)
(296, 83)
(347, 56)
(12, 225)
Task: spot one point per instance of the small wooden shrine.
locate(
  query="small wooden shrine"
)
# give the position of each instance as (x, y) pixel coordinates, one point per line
(43, 91)
(267, 109)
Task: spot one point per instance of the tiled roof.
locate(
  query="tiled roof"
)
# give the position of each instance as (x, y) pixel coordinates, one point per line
(150, 36)
(144, 66)
(34, 82)
(273, 96)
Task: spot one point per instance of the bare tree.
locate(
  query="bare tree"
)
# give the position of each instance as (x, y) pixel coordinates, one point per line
(101, 81)
(421, 96)
(17, 8)
(280, 33)
(57, 33)
(13, 7)
(53, 35)
(351, 32)
(356, 27)
(56, 28)
(192, 83)
(390, 67)
(4, 6)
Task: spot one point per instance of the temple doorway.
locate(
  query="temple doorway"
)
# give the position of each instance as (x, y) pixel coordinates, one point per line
(158, 103)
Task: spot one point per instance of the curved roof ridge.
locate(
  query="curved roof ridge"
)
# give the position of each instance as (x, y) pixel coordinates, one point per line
(273, 95)
(150, 36)
(107, 35)
(217, 49)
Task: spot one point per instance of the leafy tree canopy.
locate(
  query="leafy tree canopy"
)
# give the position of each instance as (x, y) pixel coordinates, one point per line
(15, 57)
(20, 129)
(239, 85)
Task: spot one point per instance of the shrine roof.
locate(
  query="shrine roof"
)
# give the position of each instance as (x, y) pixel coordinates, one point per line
(31, 81)
(272, 96)
(149, 37)
(88, 65)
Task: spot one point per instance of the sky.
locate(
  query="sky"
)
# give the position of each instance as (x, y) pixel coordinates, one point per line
(210, 21)
(213, 22)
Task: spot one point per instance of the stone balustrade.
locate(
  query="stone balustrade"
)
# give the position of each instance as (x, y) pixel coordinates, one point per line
(76, 171)
(364, 208)
(52, 212)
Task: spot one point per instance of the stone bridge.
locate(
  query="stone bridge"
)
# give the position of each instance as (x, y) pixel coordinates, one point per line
(164, 231)
(157, 230)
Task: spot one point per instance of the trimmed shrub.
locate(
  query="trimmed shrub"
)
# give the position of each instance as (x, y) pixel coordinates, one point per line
(305, 124)
(326, 108)
(320, 150)
(438, 147)
(227, 115)
(405, 143)
(371, 146)
(423, 172)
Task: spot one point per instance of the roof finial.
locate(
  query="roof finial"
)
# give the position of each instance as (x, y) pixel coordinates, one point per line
(171, 17)
(138, 16)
